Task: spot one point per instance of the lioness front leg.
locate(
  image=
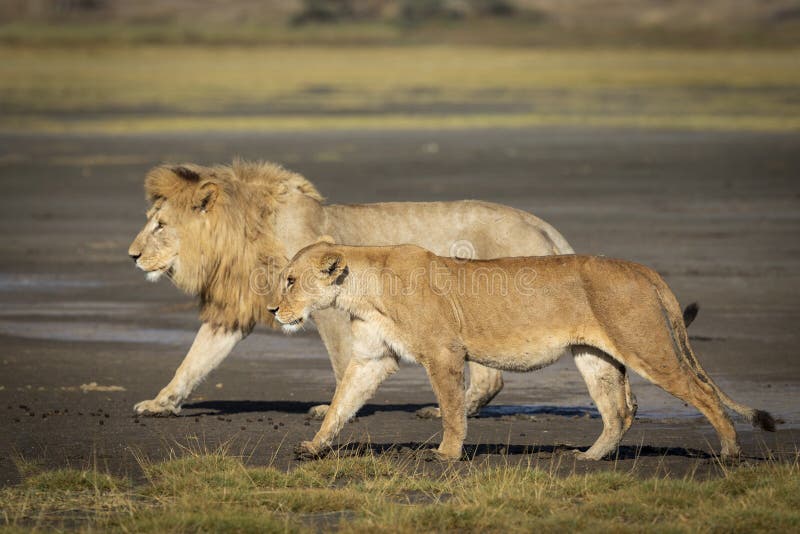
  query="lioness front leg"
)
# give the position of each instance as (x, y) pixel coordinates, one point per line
(446, 374)
(334, 329)
(361, 379)
(209, 348)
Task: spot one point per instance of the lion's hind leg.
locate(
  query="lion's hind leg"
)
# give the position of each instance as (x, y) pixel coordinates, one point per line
(484, 385)
(608, 386)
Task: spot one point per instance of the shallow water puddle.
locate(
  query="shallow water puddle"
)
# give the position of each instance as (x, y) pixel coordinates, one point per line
(96, 332)
(72, 309)
(28, 282)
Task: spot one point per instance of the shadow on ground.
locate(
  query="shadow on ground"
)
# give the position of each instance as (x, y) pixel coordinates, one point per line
(625, 452)
(230, 407)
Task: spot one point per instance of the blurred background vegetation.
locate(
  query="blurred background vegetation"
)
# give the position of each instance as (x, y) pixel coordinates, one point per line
(116, 65)
(673, 23)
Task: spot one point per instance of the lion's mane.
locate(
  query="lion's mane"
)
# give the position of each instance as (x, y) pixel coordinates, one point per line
(218, 260)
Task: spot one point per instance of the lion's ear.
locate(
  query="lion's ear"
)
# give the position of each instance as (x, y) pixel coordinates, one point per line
(326, 239)
(332, 264)
(205, 196)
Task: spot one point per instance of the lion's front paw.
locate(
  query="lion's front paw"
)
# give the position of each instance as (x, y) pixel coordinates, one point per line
(154, 407)
(429, 412)
(318, 411)
(306, 450)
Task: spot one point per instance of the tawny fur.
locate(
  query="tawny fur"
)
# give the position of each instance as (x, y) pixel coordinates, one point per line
(514, 314)
(227, 231)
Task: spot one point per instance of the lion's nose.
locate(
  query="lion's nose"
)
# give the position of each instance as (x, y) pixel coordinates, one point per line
(273, 311)
(134, 257)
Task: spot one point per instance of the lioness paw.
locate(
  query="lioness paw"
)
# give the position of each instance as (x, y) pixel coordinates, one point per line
(152, 407)
(306, 450)
(318, 411)
(429, 412)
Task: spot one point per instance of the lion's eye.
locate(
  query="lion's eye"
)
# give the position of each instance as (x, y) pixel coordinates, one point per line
(159, 226)
(289, 281)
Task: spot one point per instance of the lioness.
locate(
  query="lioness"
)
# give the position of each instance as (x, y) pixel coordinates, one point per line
(514, 314)
(210, 231)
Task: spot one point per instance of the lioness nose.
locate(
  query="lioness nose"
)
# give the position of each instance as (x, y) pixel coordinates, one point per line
(134, 257)
(273, 311)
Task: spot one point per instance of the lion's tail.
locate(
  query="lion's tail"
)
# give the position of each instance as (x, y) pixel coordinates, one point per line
(690, 313)
(758, 418)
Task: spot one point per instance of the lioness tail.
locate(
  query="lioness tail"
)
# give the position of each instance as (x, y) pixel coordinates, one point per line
(757, 418)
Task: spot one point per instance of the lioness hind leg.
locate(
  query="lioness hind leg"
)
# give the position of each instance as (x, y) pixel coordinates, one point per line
(609, 388)
(678, 379)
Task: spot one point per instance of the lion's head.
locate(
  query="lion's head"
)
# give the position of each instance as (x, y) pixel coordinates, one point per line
(311, 281)
(176, 216)
(209, 228)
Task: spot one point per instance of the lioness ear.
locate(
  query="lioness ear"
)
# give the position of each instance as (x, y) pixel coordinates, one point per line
(333, 265)
(205, 196)
(326, 239)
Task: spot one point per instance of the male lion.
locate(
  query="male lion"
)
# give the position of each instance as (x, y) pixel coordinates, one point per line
(210, 230)
(514, 314)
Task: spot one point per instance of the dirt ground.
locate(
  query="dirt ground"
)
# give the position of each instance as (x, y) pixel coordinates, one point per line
(717, 214)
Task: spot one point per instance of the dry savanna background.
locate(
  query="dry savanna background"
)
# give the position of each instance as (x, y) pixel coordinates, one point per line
(660, 131)
(103, 66)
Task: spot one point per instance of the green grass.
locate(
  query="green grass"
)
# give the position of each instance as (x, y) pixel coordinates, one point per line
(151, 89)
(213, 491)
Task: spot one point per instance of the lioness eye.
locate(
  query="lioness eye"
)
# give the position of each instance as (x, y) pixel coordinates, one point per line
(159, 226)
(290, 281)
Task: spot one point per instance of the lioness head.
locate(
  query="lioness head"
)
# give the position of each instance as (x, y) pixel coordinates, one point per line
(182, 198)
(311, 281)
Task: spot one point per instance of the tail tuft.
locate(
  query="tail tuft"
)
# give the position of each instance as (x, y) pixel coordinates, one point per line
(763, 420)
(690, 313)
